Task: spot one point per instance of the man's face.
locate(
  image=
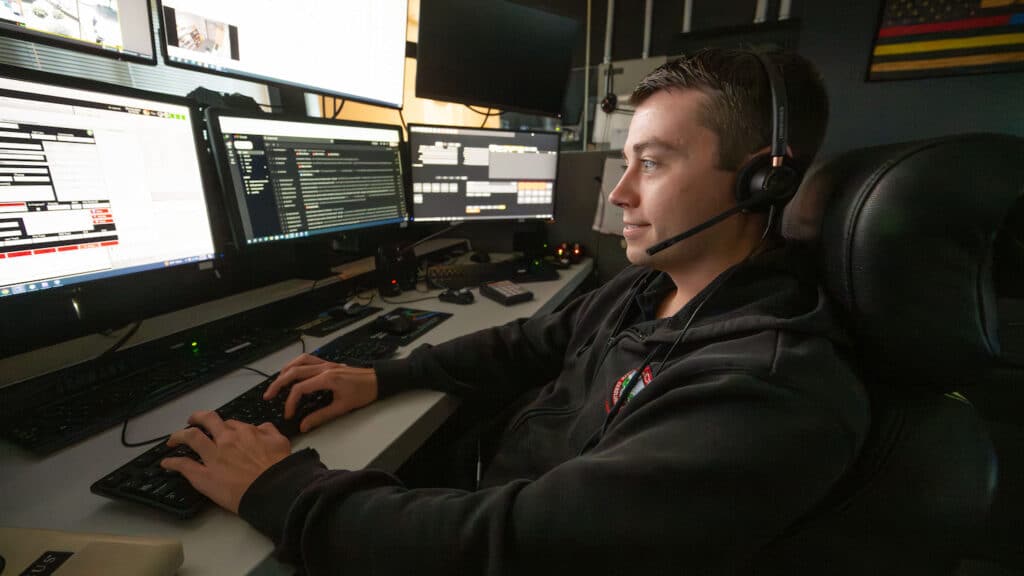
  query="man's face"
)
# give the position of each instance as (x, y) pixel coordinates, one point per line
(672, 183)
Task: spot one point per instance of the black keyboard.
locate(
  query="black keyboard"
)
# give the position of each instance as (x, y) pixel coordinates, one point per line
(142, 479)
(472, 275)
(82, 400)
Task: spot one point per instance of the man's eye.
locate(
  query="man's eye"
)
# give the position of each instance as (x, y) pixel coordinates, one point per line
(648, 164)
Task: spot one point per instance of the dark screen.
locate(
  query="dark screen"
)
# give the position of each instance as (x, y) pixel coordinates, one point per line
(494, 53)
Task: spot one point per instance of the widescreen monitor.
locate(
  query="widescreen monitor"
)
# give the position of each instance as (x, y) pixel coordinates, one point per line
(295, 178)
(494, 53)
(482, 174)
(348, 48)
(117, 28)
(95, 183)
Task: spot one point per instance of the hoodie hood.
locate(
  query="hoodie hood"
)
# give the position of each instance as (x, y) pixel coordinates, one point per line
(774, 290)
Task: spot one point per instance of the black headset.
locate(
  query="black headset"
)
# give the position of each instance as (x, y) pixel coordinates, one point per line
(770, 179)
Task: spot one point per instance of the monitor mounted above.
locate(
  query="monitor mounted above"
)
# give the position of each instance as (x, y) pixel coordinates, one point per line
(494, 53)
(482, 174)
(95, 184)
(294, 178)
(349, 48)
(117, 28)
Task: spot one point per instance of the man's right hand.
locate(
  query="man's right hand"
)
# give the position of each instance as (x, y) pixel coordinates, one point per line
(351, 387)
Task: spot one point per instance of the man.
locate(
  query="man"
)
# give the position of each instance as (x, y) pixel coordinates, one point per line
(680, 417)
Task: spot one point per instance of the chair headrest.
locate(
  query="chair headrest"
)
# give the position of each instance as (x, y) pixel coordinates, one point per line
(907, 233)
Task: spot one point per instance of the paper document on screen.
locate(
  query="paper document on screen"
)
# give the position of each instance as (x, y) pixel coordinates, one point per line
(608, 217)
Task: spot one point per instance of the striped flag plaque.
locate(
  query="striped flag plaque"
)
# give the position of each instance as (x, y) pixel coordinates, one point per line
(918, 38)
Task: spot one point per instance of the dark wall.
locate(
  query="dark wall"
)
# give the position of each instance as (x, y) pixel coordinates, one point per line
(837, 36)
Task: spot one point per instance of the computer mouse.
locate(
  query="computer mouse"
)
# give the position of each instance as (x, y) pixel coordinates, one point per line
(397, 324)
(353, 308)
(460, 296)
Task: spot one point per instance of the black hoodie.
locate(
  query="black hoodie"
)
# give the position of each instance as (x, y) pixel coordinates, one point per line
(730, 431)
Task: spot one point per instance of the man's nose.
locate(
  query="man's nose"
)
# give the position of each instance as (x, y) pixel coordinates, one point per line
(622, 195)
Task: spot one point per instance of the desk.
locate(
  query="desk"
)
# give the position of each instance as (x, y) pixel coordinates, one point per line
(53, 492)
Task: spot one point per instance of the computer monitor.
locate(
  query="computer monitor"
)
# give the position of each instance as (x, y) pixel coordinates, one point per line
(117, 28)
(95, 183)
(494, 53)
(482, 174)
(348, 48)
(294, 178)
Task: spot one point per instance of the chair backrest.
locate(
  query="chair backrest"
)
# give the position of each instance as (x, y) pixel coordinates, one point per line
(906, 235)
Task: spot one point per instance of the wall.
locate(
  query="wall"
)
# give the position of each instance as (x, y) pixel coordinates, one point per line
(837, 36)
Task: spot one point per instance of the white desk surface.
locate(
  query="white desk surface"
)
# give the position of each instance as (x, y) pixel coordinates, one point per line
(53, 492)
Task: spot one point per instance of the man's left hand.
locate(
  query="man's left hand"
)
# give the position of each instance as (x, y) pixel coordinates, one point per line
(233, 455)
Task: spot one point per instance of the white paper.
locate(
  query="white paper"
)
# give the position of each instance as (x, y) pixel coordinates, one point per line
(608, 217)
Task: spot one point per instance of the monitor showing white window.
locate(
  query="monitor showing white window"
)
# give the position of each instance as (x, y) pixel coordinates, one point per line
(349, 48)
(95, 184)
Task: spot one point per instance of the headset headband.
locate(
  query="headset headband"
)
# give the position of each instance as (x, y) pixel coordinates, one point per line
(780, 121)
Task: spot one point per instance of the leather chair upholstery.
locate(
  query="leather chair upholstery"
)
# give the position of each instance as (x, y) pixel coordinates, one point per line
(906, 235)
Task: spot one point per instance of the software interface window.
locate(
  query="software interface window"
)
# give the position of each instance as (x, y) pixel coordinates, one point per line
(259, 39)
(295, 179)
(93, 185)
(465, 173)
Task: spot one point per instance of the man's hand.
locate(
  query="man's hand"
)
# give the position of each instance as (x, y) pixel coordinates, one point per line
(234, 455)
(351, 388)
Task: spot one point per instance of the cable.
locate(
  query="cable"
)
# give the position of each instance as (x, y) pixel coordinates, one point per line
(402, 118)
(127, 444)
(450, 227)
(260, 372)
(486, 118)
(120, 342)
(338, 107)
(408, 301)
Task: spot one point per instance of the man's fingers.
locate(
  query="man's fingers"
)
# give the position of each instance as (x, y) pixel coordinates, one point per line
(319, 382)
(291, 374)
(195, 439)
(319, 417)
(209, 421)
(187, 467)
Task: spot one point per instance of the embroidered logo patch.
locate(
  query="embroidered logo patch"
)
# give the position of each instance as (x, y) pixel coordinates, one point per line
(645, 378)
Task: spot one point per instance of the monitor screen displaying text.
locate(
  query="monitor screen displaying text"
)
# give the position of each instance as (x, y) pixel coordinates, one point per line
(293, 179)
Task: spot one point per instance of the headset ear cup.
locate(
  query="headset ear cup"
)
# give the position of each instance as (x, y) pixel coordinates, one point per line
(758, 182)
(750, 178)
(781, 184)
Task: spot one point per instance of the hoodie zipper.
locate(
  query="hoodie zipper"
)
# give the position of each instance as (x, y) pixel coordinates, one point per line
(541, 411)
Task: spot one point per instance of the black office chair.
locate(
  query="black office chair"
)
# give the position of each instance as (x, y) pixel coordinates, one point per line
(906, 244)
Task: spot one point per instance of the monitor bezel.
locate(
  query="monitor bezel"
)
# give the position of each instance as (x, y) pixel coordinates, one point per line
(57, 41)
(554, 181)
(231, 206)
(270, 80)
(76, 83)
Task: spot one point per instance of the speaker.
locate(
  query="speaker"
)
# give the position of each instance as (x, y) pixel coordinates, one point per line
(395, 269)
